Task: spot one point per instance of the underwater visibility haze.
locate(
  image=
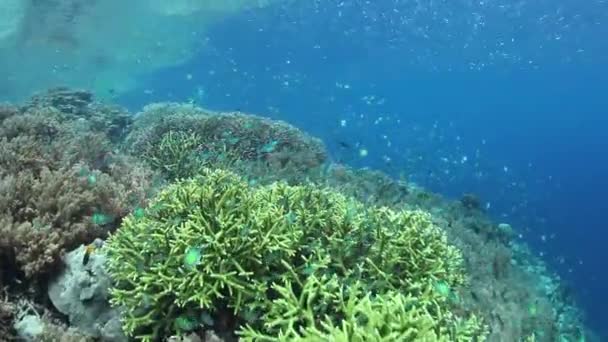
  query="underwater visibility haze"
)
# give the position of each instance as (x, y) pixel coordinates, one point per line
(290, 170)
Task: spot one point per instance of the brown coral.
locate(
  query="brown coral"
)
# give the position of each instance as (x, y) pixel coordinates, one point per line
(7, 313)
(46, 213)
(62, 183)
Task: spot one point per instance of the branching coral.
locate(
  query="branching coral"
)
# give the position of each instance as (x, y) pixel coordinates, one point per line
(222, 139)
(246, 256)
(215, 215)
(46, 213)
(59, 175)
(111, 121)
(7, 312)
(214, 246)
(177, 155)
(502, 282)
(390, 316)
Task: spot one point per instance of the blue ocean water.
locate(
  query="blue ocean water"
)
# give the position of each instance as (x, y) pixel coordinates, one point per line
(505, 100)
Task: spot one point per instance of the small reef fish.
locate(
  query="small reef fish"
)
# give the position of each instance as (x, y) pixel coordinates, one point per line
(344, 144)
(88, 250)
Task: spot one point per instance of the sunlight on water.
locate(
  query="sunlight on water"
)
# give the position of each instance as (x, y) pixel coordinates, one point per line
(106, 46)
(11, 17)
(100, 45)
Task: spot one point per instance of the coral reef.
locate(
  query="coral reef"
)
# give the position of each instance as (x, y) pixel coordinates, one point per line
(287, 238)
(61, 183)
(79, 105)
(503, 286)
(7, 313)
(213, 247)
(179, 139)
(80, 292)
(34, 327)
(391, 316)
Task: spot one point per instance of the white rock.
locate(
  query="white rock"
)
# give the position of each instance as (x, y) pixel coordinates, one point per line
(81, 292)
(29, 327)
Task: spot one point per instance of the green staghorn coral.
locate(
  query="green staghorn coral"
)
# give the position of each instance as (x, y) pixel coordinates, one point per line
(176, 155)
(179, 139)
(389, 316)
(236, 236)
(214, 247)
